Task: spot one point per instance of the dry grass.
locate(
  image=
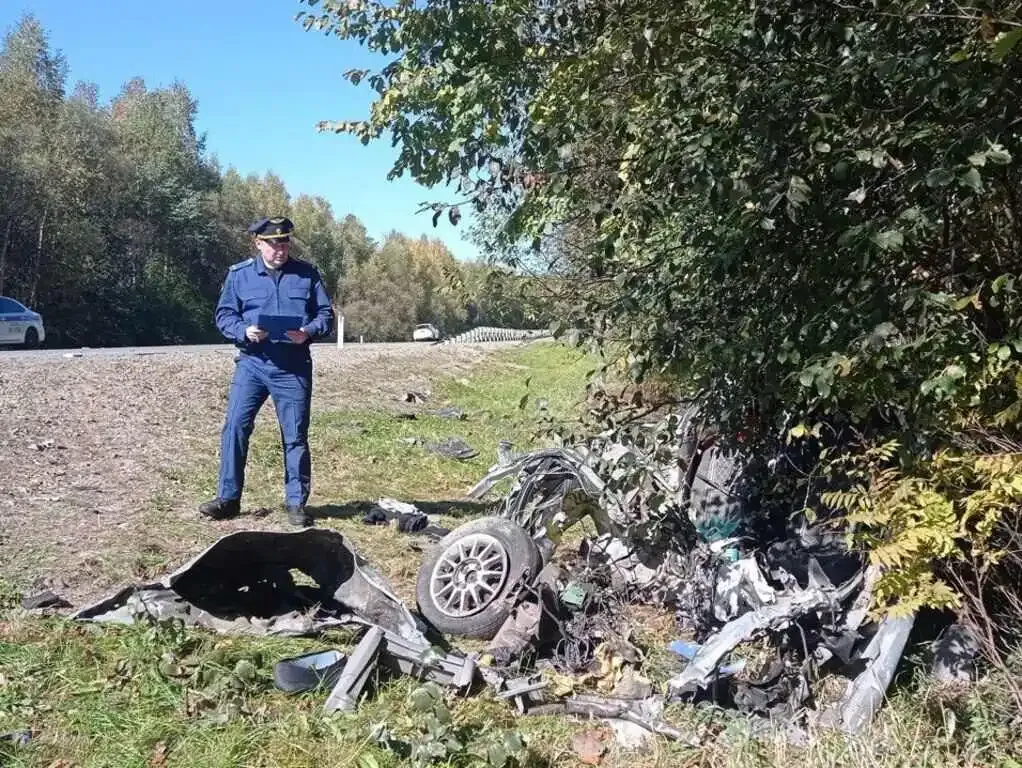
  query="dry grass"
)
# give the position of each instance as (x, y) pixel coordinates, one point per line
(100, 456)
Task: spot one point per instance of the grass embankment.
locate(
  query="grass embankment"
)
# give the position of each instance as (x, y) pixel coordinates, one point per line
(158, 696)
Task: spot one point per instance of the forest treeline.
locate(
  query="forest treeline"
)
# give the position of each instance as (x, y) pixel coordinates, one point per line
(117, 224)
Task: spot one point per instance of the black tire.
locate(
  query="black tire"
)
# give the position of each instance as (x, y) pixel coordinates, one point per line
(522, 560)
(31, 338)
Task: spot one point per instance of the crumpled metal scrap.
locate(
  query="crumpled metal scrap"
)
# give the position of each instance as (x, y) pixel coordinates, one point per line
(242, 584)
(805, 596)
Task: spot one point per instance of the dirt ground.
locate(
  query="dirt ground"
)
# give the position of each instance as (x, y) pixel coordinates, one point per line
(89, 449)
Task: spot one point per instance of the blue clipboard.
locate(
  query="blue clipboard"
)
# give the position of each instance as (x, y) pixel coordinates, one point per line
(277, 326)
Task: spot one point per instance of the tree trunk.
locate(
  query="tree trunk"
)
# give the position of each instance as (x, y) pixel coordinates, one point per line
(38, 259)
(3, 254)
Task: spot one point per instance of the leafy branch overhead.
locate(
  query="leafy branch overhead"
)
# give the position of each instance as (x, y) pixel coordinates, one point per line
(807, 215)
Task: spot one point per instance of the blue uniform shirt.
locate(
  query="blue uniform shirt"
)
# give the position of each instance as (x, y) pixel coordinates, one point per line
(251, 290)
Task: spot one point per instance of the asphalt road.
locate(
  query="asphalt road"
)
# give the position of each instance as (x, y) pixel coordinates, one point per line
(13, 353)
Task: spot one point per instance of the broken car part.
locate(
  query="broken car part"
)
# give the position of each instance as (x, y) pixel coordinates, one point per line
(409, 518)
(353, 678)
(243, 584)
(954, 655)
(381, 649)
(646, 713)
(450, 670)
(309, 671)
(453, 448)
(18, 738)
(468, 582)
(865, 694)
(701, 670)
(47, 599)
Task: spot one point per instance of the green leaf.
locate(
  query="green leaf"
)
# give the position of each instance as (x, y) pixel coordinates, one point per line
(799, 431)
(798, 191)
(978, 159)
(497, 755)
(807, 377)
(1003, 352)
(955, 372)
(1004, 44)
(421, 700)
(972, 179)
(965, 301)
(889, 240)
(245, 670)
(368, 760)
(939, 177)
(999, 155)
(443, 714)
(513, 743)
(822, 147)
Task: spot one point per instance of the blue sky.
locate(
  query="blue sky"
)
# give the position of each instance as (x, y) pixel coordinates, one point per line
(235, 56)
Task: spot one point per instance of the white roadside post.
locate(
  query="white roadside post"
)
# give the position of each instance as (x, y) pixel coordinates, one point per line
(340, 332)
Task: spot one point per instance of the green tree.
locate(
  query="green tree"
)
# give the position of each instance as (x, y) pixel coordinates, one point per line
(807, 216)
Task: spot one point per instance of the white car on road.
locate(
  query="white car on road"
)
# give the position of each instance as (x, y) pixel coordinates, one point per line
(426, 332)
(20, 325)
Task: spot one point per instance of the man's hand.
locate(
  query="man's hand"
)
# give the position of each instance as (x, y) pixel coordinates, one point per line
(255, 334)
(298, 337)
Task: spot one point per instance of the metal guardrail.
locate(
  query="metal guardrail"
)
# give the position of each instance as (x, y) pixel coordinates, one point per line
(484, 334)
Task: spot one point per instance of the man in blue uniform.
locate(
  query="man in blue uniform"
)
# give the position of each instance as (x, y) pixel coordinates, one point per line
(271, 307)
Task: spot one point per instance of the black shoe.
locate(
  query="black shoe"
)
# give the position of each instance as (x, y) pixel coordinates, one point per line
(220, 509)
(298, 516)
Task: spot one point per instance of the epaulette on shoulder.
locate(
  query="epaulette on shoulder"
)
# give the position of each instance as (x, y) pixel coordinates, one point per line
(240, 264)
(303, 264)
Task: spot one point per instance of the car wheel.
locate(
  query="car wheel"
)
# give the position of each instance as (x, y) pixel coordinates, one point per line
(31, 338)
(465, 580)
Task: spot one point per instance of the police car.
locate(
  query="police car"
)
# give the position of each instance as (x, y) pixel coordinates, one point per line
(20, 325)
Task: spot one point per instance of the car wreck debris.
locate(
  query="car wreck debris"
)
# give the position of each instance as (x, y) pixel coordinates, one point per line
(243, 584)
(18, 738)
(453, 448)
(309, 671)
(765, 620)
(406, 517)
(770, 618)
(43, 600)
(355, 675)
(865, 694)
(701, 669)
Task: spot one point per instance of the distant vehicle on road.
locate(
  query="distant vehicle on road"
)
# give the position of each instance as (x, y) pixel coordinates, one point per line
(426, 332)
(20, 325)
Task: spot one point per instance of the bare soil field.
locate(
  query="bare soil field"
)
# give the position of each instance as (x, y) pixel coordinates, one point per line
(92, 451)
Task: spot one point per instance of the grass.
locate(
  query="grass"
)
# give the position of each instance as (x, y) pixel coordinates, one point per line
(360, 455)
(155, 696)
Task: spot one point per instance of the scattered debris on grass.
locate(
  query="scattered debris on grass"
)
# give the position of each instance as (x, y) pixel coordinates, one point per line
(763, 626)
(45, 599)
(453, 448)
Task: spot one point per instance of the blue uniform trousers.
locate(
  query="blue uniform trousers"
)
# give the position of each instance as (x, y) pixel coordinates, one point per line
(291, 391)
